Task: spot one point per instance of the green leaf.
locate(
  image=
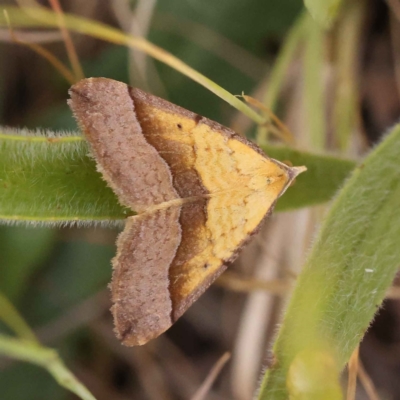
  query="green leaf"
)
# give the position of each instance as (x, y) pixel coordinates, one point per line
(78, 271)
(22, 250)
(324, 12)
(324, 176)
(351, 265)
(46, 358)
(25, 381)
(52, 180)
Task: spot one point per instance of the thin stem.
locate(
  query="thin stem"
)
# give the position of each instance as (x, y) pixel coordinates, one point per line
(10, 316)
(54, 61)
(46, 358)
(43, 17)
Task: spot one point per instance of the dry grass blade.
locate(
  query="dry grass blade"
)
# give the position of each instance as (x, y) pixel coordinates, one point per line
(395, 41)
(395, 7)
(54, 61)
(143, 14)
(367, 383)
(393, 292)
(31, 37)
(213, 374)
(212, 41)
(143, 362)
(353, 371)
(284, 132)
(43, 17)
(236, 283)
(69, 45)
(142, 70)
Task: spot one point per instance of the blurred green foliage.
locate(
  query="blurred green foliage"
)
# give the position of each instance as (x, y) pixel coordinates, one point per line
(324, 12)
(45, 276)
(352, 263)
(22, 251)
(71, 189)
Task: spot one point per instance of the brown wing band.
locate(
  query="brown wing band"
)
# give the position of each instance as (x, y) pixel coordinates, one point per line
(140, 286)
(129, 164)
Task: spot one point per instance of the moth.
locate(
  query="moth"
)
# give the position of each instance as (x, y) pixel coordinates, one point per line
(199, 190)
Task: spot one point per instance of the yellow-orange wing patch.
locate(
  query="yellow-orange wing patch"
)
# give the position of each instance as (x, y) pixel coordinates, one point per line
(208, 191)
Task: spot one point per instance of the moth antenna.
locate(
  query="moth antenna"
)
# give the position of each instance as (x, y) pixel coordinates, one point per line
(51, 58)
(69, 45)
